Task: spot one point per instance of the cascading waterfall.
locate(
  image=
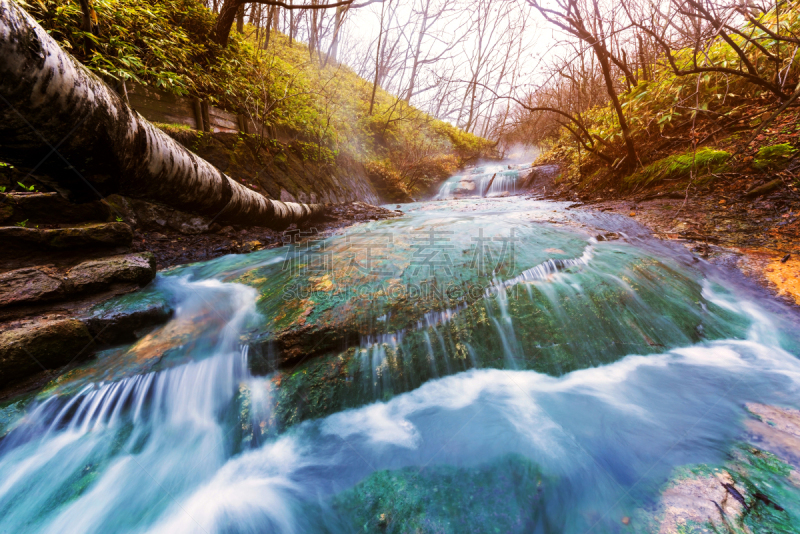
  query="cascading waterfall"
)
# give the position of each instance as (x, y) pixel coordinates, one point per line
(484, 181)
(556, 390)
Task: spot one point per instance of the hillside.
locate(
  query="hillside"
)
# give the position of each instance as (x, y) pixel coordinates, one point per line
(166, 44)
(717, 151)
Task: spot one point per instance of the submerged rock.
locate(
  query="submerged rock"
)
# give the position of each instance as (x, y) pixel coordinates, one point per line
(778, 431)
(41, 346)
(119, 324)
(505, 495)
(756, 491)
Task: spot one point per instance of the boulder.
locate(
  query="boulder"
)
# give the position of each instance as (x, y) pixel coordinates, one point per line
(30, 285)
(40, 346)
(98, 235)
(34, 285)
(121, 325)
(96, 275)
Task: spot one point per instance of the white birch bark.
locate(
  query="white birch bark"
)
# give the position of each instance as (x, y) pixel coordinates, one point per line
(62, 120)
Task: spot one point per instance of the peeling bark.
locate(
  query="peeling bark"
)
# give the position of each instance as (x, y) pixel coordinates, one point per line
(64, 122)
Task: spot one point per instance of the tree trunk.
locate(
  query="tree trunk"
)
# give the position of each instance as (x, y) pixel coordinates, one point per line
(268, 30)
(377, 63)
(291, 23)
(63, 120)
(240, 19)
(605, 67)
(227, 14)
(333, 49)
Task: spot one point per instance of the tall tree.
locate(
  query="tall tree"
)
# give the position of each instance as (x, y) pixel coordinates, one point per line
(377, 60)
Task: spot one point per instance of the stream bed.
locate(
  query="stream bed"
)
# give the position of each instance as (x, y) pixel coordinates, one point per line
(476, 365)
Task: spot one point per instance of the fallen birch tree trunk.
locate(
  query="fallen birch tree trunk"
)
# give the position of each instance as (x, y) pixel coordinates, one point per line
(64, 122)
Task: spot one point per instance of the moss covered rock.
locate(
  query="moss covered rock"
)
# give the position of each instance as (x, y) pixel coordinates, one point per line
(505, 495)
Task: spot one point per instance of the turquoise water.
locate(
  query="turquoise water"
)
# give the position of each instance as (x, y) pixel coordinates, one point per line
(338, 385)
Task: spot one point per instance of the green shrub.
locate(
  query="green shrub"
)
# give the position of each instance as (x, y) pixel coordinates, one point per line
(387, 181)
(167, 44)
(704, 162)
(773, 157)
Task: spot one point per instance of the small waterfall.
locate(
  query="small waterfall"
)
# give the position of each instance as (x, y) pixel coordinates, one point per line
(374, 353)
(485, 181)
(195, 391)
(139, 434)
(545, 270)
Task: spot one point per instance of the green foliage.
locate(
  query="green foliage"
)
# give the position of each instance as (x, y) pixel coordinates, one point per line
(388, 181)
(163, 43)
(22, 224)
(28, 188)
(702, 163)
(773, 157)
(167, 44)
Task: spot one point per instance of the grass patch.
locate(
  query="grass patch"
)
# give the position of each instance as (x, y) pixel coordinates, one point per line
(174, 126)
(773, 157)
(704, 162)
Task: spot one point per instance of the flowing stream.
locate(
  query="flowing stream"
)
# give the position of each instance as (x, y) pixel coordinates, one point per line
(476, 365)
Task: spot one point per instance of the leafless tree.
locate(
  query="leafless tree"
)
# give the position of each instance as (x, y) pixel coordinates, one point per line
(587, 21)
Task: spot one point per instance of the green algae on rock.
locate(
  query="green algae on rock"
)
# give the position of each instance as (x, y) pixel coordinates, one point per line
(503, 495)
(754, 492)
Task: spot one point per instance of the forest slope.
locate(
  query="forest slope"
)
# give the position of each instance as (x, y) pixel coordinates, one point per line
(168, 44)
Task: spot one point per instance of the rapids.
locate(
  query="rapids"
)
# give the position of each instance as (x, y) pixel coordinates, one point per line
(477, 365)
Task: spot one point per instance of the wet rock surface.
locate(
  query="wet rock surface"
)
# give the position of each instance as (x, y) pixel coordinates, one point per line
(121, 324)
(171, 247)
(41, 346)
(776, 430)
(696, 502)
(757, 490)
(95, 275)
